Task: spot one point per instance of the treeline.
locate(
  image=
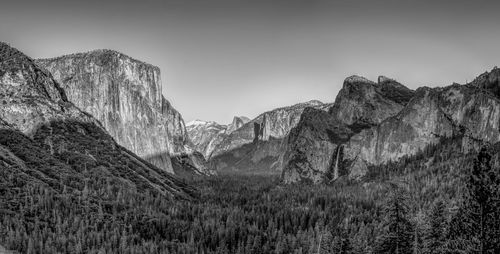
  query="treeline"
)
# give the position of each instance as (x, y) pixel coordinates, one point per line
(448, 206)
(471, 227)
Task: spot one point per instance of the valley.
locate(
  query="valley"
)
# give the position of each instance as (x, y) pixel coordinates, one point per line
(95, 159)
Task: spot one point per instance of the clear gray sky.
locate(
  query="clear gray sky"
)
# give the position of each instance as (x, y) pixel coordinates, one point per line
(221, 58)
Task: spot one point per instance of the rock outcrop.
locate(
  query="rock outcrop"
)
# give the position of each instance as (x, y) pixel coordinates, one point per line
(489, 81)
(125, 95)
(30, 97)
(45, 139)
(315, 147)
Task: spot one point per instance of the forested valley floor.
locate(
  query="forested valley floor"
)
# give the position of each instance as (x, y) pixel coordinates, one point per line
(405, 207)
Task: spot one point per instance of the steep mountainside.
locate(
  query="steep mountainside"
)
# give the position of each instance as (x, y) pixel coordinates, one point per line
(125, 95)
(387, 122)
(463, 111)
(45, 140)
(313, 149)
(257, 145)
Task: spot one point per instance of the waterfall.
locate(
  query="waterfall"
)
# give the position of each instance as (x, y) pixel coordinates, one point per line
(336, 167)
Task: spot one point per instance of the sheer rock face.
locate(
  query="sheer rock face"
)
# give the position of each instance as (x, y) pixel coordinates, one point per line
(125, 95)
(44, 137)
(315, 148)
(311, 147)
(363, 102)
(433, 113)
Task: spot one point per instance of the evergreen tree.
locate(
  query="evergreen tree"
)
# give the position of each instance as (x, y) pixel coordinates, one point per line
(325, 243)
(481, 206)
(434, 237)
(398, 235)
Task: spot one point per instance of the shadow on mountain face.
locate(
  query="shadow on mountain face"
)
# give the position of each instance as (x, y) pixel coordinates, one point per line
(261, 157)
(70, 154)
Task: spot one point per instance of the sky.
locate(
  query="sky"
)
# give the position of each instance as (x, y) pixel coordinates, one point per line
(221, 58)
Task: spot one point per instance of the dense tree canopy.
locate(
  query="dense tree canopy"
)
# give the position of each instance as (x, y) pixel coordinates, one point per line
(401, 207)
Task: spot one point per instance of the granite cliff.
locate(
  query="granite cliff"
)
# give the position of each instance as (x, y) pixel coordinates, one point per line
(372, 124)
(314, 149)
(45, 139)
(464, 111)
(125, 95)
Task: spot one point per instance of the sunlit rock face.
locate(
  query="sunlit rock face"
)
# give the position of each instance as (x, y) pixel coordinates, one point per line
(433, 113)
(29, 96)
(316, 146)
(125, 95)
(257, 145)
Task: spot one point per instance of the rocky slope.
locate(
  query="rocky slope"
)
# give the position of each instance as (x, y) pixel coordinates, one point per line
(257, 146)
(45, 139)
(125, 95)
(314, 148)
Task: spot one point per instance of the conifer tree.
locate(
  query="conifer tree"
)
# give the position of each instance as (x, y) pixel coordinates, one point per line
(325, 243)
(434, 236)
(398, 235)
(481, 206)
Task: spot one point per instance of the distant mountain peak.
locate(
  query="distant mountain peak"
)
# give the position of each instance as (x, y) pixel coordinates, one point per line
(197, 122)
(314, 103)
(244, 118)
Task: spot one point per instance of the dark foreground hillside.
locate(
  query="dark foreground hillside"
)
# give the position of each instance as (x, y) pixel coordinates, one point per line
(404, 207)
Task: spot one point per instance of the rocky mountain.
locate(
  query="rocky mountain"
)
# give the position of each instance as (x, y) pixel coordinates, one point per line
(465, 111)
(314, 149)
(205, 136)
(372, 124)
(257, 145)
(238, 122)
(126, 96)
(46, 140)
